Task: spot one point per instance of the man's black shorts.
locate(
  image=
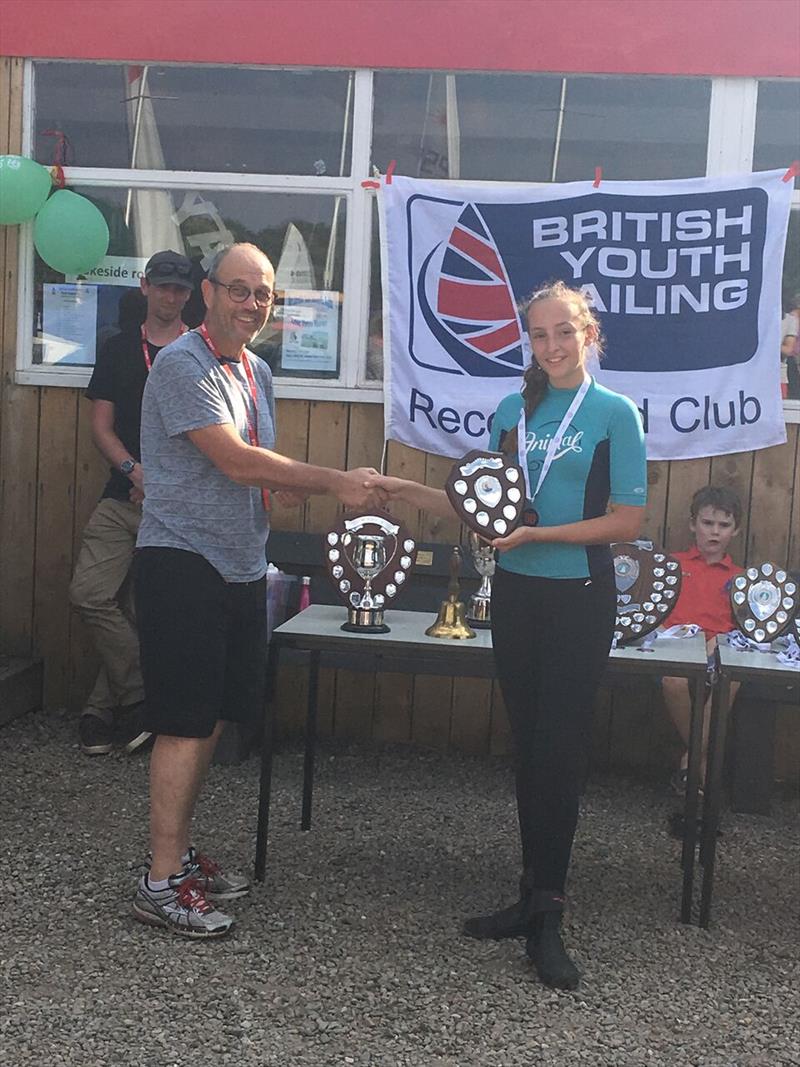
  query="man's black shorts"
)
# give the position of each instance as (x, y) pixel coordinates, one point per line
(203, 643)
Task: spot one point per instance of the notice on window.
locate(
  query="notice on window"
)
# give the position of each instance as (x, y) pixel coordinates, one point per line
(70, 324)
(309, 323)
(113, 270)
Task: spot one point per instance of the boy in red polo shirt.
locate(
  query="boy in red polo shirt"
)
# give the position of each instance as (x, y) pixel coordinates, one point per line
(706, 574)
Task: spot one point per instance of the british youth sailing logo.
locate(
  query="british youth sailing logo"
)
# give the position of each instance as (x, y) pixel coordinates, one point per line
(464, 296)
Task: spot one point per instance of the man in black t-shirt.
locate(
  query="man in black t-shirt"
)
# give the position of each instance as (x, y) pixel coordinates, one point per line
(99, 587)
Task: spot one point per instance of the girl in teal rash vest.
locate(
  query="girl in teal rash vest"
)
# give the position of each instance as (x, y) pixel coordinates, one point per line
(553, 598)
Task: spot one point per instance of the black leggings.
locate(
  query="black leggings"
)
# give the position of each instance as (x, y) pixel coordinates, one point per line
(551, 642)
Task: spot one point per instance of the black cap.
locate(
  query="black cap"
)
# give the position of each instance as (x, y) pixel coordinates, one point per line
(169, 268)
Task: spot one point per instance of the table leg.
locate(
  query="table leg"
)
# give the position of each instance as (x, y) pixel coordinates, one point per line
(267, 747)
(720, 707)
(311, 741)
(691, 802)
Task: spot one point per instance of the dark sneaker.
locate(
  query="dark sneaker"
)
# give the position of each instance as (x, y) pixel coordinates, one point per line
(216, 884)
(96, 736)
(181, 908)
(129, 730)
(679, 781)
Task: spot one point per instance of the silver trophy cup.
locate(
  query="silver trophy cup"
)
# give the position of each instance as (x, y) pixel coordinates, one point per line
(483, 559)
(365, 611)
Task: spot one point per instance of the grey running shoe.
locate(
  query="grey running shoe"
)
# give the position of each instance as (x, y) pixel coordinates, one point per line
(181, 908)
(217, 885)
(95, 734)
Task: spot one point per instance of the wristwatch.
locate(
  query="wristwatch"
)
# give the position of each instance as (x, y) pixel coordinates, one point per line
(127, 466)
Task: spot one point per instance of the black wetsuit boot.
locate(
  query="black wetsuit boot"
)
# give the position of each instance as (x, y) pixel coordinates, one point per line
(545, 947)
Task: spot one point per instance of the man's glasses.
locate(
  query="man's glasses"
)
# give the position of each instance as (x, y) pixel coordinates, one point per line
(239, 293)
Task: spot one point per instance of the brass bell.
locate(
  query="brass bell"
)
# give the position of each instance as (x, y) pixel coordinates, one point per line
(451, 622)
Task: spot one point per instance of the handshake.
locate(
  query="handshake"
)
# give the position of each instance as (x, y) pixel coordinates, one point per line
(364, 487)
(359, 489)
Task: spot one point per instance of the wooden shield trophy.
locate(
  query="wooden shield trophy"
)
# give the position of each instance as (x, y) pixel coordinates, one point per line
(648, 583)
(487, 490)
(369, 558)
(764, 601)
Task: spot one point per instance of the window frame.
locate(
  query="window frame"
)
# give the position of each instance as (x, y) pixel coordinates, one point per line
(730, 149)
(351, 384)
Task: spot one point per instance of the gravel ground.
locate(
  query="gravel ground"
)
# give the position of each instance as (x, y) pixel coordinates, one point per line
(350, 952)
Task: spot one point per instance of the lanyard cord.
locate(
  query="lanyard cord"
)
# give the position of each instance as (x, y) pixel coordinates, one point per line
(252, 420)
(555, 440)
(146, 351)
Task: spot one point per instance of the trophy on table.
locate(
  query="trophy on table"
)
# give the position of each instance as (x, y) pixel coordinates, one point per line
(368, 558)
(764, 601)
(648, 583)
(479, 604)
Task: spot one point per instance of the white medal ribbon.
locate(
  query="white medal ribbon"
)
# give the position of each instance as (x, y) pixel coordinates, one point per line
(555, 441)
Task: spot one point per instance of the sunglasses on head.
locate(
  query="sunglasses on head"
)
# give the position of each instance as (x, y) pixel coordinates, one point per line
(169, 270)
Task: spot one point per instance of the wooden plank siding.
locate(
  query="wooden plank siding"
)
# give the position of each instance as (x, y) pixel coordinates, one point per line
(50, 477)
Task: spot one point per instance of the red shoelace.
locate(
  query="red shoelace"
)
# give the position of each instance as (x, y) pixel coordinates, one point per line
(191, 896)
(206, 866)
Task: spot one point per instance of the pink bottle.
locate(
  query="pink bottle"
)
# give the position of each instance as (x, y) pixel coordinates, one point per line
(305, 594)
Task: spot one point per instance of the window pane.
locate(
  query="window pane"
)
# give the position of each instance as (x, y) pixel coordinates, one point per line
(777, 126)
(791, 259)
(505, 127)
(195, 118)
(375, 326)
(302, 235)
(634, 128)
(791, 305)
(472, 126)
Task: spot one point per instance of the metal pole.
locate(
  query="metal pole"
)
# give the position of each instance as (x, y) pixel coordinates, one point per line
(327, 280)
(453, 128)
(136, 127)
(559, 128)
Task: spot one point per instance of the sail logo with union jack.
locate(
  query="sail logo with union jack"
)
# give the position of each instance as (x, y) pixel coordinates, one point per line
(469, 307)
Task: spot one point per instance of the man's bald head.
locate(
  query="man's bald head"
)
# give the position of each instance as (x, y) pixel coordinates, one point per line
(242, 251)
(238, 294)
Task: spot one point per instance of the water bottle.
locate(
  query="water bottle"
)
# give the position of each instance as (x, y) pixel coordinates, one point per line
(305, 594)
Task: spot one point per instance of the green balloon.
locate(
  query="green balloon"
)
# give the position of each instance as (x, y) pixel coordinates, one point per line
(70, 234)
(24, 187)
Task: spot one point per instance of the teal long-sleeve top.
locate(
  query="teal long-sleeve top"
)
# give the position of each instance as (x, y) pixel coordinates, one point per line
(602, 459)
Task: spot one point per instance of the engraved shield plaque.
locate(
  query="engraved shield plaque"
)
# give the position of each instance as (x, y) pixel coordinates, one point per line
(487, 490)
(648, 583)
(369, 558)
(764, 601)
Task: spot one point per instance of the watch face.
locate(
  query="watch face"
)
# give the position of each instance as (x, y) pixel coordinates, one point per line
(127, 466)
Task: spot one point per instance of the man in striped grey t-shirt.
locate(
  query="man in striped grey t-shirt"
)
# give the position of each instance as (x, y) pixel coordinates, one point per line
(209, 460)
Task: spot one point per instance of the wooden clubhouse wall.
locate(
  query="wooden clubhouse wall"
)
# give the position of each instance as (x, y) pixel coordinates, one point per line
(51, 475)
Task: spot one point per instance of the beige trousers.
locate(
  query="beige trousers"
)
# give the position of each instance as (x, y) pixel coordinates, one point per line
(101, 593)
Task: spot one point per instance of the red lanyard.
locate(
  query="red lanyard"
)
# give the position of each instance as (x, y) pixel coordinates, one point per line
(252, 420)
(146, 351)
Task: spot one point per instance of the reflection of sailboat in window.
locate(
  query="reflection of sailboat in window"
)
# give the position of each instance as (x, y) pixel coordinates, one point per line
(294, 274)
(295, 269)
(153, 223)
(440, 143)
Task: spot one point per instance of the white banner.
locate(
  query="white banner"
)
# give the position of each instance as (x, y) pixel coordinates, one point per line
(685, 276)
